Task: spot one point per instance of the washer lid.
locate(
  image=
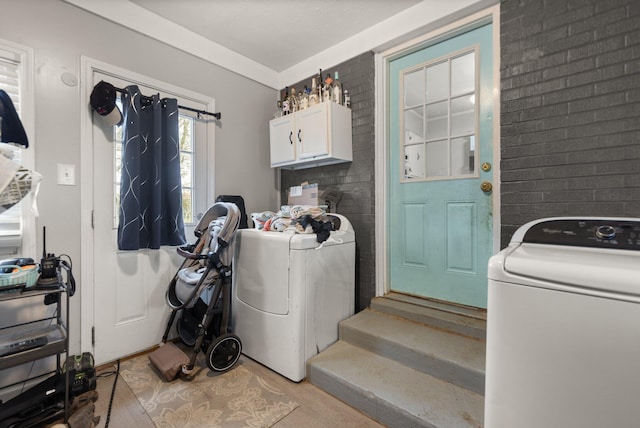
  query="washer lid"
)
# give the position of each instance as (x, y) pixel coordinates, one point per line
(344, 234)
(615, 271)
(308, 241)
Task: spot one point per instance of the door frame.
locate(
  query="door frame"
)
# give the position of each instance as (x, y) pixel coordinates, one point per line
(88, 66)
(382, 140)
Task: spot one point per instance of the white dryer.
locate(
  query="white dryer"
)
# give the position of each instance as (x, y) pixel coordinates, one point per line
(289, 294)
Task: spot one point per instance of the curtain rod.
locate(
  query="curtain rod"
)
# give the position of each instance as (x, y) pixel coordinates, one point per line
(216, 115)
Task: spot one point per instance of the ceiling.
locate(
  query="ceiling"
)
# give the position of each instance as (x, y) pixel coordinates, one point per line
(278, 41)
(277, 33)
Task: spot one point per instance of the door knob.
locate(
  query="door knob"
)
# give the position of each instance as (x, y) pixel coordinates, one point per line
(486, 186)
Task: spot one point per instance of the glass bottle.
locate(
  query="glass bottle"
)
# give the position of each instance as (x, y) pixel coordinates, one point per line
(286, 104)
(313, 95)
(304, 98)
(319, 83)
(326, 88)
(293, 100)
(346, 99)
(336, 90)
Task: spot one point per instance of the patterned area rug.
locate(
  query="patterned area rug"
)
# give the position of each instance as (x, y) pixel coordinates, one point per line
(237, 398)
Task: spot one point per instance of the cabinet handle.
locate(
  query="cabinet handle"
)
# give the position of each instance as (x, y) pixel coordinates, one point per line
(290, 135)
(299, 139)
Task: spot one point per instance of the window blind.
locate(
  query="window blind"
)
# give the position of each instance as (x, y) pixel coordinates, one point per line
(11, 220)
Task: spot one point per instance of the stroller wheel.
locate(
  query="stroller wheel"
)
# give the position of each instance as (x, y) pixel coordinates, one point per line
(224, 352)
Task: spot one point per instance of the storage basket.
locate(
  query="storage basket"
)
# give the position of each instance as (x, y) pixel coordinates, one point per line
(26, 276)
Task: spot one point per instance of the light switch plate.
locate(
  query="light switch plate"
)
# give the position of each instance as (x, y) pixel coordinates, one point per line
(66, 174)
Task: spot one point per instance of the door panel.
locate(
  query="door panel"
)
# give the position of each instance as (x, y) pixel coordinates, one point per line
(440, 221)
(461, 231)
(415, 248)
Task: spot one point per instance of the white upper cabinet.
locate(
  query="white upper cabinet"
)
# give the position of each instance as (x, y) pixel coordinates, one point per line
(316, 136)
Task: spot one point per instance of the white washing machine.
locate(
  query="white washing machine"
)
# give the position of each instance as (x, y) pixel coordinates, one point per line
(563, 326)
(290, 293)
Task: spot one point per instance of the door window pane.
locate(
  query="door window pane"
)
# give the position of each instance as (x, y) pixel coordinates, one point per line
(437, 159)
(463, 74)
(187, 170)
(413, 125)
(414, 161)
(437, 82)
(437, 120)
(462, 156)
(463, 115)
(414, 88)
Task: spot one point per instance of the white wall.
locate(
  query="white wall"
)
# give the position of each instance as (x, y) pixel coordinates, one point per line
(60, 34)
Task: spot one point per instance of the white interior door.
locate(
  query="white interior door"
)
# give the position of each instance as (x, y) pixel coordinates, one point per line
(130, 312)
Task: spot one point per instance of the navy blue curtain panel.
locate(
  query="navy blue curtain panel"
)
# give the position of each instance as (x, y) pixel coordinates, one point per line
(150, 192)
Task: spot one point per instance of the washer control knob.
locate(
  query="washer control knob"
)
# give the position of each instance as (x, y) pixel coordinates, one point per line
(606, 232)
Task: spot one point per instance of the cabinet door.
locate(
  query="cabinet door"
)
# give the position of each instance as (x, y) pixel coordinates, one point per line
(283, 147)
(312, 133)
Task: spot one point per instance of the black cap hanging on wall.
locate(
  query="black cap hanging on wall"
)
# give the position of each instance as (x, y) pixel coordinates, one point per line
(103, 101)
(12, 130)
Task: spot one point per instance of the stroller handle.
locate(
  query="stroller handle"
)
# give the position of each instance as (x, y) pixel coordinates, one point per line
(188, 253)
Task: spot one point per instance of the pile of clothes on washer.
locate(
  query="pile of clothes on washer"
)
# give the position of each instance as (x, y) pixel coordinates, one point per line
(296, 219)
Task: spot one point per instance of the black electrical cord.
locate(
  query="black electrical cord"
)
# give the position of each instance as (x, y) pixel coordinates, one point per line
(68, 267)
(113, 392)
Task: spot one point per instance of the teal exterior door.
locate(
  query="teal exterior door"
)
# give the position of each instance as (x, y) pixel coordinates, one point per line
(440, 228)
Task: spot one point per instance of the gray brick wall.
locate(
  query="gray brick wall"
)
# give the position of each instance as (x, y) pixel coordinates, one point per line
(355, 179)
(570, 107)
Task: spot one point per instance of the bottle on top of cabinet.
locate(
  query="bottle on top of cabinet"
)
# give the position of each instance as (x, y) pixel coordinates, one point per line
(336, 90)
(313, 95)
(303, 99)
(326, 88)
(346, 99)
(286, 102)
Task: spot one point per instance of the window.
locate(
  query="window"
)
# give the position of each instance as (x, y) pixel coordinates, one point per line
(439, 112)
(15, 71)
(187, 148)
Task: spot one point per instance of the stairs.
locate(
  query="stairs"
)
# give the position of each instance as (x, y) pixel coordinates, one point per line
(406, 362)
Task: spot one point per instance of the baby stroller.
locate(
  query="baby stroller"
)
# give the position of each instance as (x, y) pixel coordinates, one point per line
(201, 290)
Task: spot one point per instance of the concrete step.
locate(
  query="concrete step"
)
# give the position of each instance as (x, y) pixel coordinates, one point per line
(464, 320)
(446, 355)
(392, 393)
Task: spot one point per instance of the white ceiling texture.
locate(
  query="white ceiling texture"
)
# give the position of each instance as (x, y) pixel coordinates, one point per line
(279, 41)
